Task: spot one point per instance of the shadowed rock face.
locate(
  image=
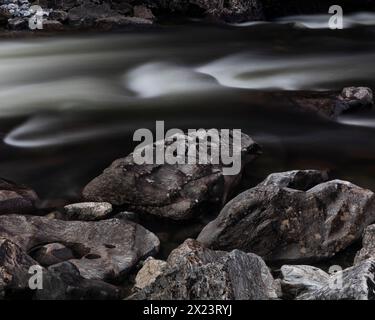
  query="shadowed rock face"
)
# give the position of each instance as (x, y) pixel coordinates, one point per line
(280, 223)
(16, 199)
(368, 245)
(60, 282)
(195, 272)
(177, 191)
(103, 250)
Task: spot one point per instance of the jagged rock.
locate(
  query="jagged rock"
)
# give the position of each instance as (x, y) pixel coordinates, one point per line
(284, 224)
(229, 11)
(195, 272)
(88, 211)
(16, 199)
(355, 283)
(104, 249)
(58, 283)
(151, 269)
(176, 191)
(368, 245)
(143, 13)
(52, 253)
(357, 97)
(299, 279)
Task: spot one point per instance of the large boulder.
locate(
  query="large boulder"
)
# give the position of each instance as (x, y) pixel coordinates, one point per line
(61, 282)
(175, 191)
(103, 250)
(16, 199)
(194, 272)
(280, 223)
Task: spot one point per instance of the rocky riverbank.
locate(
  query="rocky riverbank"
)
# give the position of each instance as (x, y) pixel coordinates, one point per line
(59, 15)
(268, 242)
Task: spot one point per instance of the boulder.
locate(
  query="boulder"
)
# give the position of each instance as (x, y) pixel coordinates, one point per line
(355, 283)
(88, 211)
(368, 245)
(283, 224)
(62, 282)
(16, 199)
(103, 250)
(357, 98)
(193, 272)
(175, 191)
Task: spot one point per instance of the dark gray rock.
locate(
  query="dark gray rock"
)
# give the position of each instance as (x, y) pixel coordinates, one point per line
(88, 211)
(60, 282)
(368, 245)
(104, 249)
(52, 253)
(280, 223)
(355, 283)
(175, 191)
(16, 199)
(194, 272)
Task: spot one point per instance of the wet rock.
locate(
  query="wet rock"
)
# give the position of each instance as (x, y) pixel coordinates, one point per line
(16, 199)
(357, 97)
(88, 211)
(61, 282)
(229, 11)
(283, 224)
(355, 283)
(52, 25)
(143, 13)
(299, 279)
(88, 12)
(150, 271)
(108, 23)
(17, 24)
(175, 191)
(194, 272)
(59, 15)
(104, 250)
(52, 253)
(368, 245)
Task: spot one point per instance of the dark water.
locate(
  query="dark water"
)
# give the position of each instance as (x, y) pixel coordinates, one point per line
(69, 106)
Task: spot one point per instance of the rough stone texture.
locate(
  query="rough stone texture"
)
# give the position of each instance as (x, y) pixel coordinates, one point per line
(16, 199)
(299, 279)
(105, 249)
(357, 97)
(88, 211)
(229, 11)
(178, 191)
(151, 269)
(52, 253)
(63, 282)
(194, 272)
(283, 224)
(368, 245)
(355, 283)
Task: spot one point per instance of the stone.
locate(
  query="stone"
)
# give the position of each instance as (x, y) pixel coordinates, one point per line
(103, 250)
(175, 191)
(194, 272)
(52, 25)
(62, 282)
(297, 279)
(355, 283)
(88, 211)
(151, 269)
(368, 245)
(279, 223)
(17, 24)
(16, 199)
(52, 253)
(143, 13)
(357, 97)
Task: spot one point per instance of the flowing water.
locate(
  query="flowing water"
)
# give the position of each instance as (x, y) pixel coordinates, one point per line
(69, 105)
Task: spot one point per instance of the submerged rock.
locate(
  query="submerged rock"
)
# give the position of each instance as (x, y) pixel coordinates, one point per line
(175, 191)
(60, 282)
(16, 199)
(368, 245)
(88, 211)
(194, 272)
(283, 224)
(103, 250)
